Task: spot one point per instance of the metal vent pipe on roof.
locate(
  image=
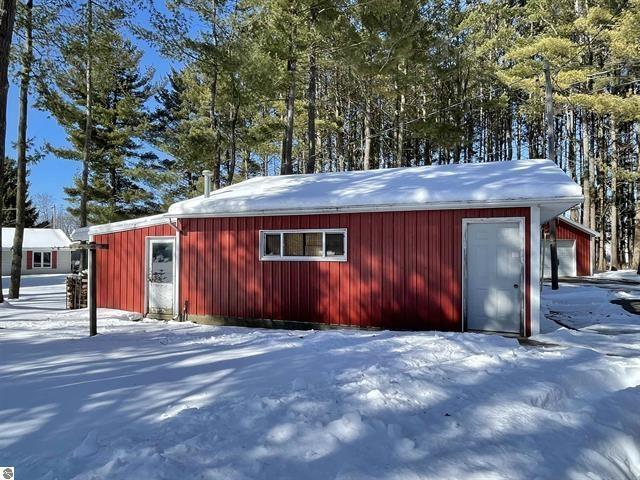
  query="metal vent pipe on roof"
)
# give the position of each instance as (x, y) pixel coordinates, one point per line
(207, 182)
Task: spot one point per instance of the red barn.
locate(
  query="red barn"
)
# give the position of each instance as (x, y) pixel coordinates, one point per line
(453, 247)
(576, 249)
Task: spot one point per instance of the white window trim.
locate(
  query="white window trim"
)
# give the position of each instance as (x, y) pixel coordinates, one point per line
(40, 265)
(323, 258)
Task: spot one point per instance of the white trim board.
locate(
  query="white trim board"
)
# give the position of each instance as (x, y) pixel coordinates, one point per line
(534, 274)
(84, 233)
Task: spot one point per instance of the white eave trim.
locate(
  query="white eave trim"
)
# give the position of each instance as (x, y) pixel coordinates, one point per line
(40, 248)
(579, 226)
(387, 208)
(125, 225)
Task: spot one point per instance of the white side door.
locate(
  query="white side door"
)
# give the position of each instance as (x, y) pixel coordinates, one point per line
(494, 272)
(567, 264)
(161, 269)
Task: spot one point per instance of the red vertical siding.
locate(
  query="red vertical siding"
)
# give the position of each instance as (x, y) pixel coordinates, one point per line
(403, 270)
(120, 271)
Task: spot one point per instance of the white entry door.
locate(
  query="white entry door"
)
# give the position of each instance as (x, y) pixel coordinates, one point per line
(567, 265)
(494, 254)
(161, 277)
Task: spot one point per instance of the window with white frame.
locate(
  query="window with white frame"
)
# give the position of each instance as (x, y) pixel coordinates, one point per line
(330, 245)
(41, 259)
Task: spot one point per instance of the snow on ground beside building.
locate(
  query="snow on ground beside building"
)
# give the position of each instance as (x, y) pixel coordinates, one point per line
(591, 319)
(629, 275)
(163, 400)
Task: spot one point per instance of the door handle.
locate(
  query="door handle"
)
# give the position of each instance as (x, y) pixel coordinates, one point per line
(515, 285)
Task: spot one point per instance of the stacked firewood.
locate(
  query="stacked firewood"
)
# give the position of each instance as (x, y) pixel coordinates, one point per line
(77, 290)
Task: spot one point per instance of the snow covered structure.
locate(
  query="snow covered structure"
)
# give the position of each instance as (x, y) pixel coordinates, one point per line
(576, 249)
(44, 250)
(452, 247)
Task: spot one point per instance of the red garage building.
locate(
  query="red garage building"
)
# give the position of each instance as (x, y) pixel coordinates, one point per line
(576, 249)
(454, 247)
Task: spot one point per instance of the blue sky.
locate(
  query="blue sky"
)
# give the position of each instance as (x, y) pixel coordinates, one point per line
(51, 174)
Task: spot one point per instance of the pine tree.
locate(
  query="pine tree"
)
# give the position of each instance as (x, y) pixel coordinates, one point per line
(119, 167)
(180, 127)
(9, 198)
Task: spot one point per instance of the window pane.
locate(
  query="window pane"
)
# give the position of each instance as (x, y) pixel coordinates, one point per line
(37, 259)
(334, 244)
(272, 244)
(313, 244)
(161, 262)
(293, 244)
(46, 259)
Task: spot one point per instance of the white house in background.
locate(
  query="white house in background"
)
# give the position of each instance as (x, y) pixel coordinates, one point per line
(44, 250)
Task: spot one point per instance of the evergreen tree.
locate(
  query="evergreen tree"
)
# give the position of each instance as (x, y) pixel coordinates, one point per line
(9, 199)
(121, 172)
(180, 127)
(292, 86)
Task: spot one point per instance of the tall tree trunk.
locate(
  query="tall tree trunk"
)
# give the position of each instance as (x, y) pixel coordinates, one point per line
(339, 116)
(215, 131)
(232, 155)
(586, 171)
(602, 194)
(518, 137)
(509, 136)
(571, 137)
(246, 157)
(21, 183)
(88, 119)
(287, 162)
(7, 19)
(593, 174)
(310, 164)
(213, 98)
(636, 233)
(366, 155)
(400, 130)
(615, 247)
(551, 155)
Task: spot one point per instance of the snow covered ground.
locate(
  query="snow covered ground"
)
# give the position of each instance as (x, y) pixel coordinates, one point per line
(628, 275)
(599, 324)
(162, 400)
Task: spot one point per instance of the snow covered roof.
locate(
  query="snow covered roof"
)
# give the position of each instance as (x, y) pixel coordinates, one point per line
(82, 234)
(514, 183)
(37, 238)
